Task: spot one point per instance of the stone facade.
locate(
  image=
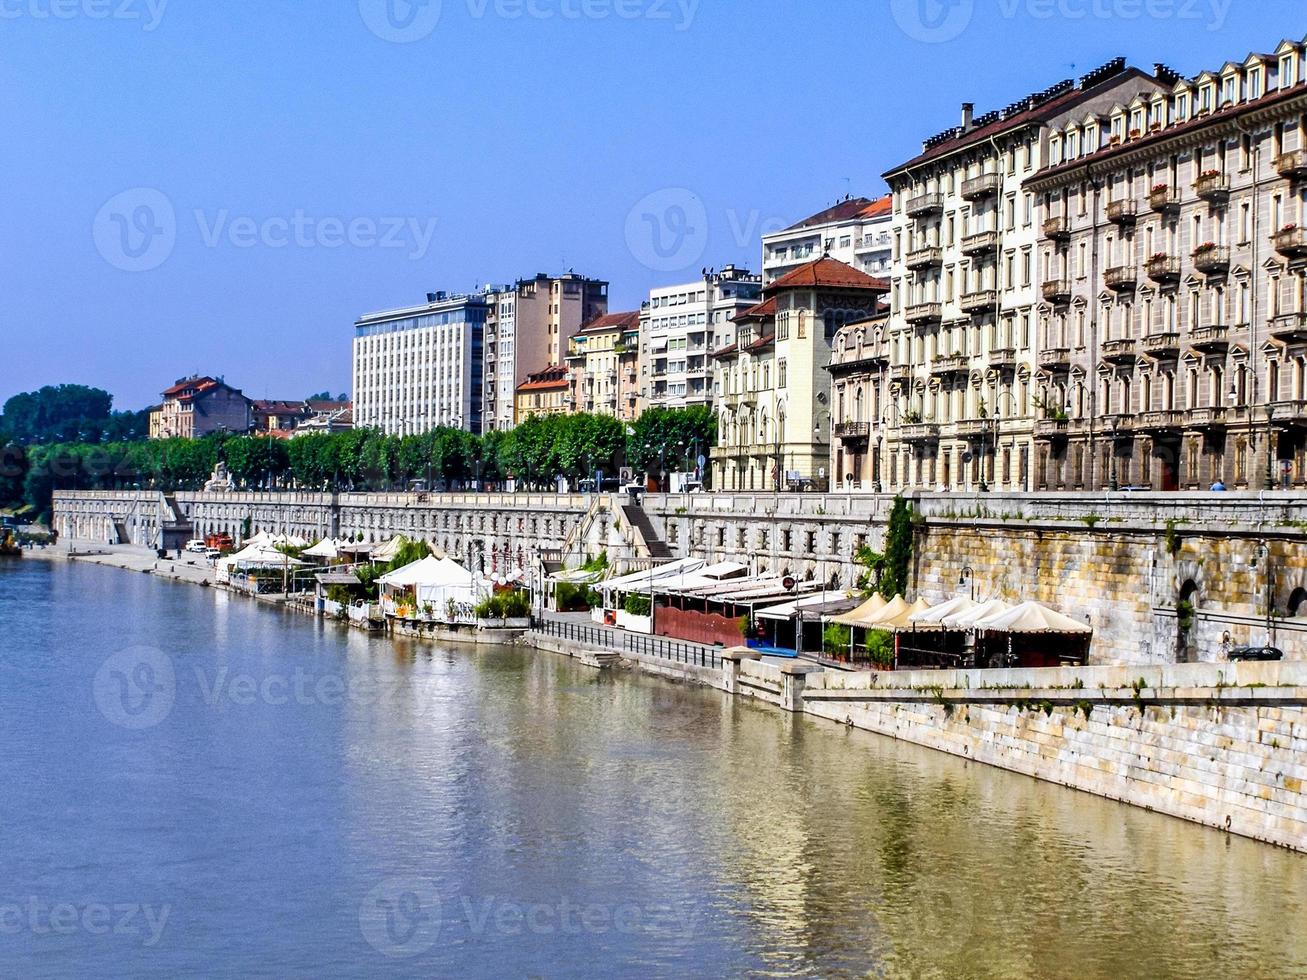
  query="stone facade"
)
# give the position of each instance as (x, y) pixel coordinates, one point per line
(1173, 328)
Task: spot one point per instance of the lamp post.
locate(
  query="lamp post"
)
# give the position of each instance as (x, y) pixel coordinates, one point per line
(1112, 482)
(1270, 449)
(984, 445)
(968, 577)
(816, 432)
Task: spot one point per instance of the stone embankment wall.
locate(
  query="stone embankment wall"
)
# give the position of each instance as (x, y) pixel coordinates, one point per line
(1224, 746)
(1138, 567)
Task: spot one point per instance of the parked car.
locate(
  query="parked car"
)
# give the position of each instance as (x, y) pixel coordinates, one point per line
(196, 546)
(1256, 653)
(212, 554)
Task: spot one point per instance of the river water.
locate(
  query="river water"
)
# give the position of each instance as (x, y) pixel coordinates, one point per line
(194, 784)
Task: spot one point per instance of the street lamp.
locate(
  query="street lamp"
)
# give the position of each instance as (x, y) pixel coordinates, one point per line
(1116, 424)
(984, 444)
(968, 576)
(1270, 476)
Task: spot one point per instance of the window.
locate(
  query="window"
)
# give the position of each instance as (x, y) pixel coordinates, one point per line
(780, 373)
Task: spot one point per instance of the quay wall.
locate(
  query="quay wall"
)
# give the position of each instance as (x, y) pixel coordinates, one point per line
(1222, 745)
(1138, 567)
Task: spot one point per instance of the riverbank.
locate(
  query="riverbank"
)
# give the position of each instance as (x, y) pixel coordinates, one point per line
(1223, 745)
(189, 568)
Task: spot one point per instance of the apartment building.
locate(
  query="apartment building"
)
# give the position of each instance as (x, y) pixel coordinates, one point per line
(1172, 333)
(198, 406)
(603, 360)
(420, 368)
(859, 373)
(546, 392)
(680, 326)
(773, 390)
(965, 288)
(855, 231)
(528, 328)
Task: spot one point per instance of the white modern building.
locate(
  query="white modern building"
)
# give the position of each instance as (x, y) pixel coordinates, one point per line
(420, 368)
(528, 326)
(855, 231)
(679, 328)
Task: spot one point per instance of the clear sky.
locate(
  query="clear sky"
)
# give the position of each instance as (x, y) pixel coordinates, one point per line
(222, 187)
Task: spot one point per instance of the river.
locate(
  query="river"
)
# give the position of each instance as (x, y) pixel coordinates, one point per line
(195, 784)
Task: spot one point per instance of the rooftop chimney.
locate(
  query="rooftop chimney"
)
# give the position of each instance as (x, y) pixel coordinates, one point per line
(968, 112)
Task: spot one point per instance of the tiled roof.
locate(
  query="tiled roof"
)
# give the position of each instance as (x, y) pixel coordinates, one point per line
(199, 384)
(878, 208)
(612, 321)
(1212, 118)
(761, 311)
(323, 405)
(849, 208)
(1037, 113)
(829, 273)
(761, 343)
(552, 378)
(278, 406)
(730, 351)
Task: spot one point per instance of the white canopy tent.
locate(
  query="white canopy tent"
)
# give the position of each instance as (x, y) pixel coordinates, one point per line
(933, 618)
(434, 580)
(969, 619)
(327, 548)
(1032, 617)
(255, 556)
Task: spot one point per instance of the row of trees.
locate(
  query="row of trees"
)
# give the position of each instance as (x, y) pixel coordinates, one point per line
(533, 454)
(68, 413)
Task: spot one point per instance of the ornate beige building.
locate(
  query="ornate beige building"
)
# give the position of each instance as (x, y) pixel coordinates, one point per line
(1172, 326)
(965, 287)
(859, 370)
(772, 390)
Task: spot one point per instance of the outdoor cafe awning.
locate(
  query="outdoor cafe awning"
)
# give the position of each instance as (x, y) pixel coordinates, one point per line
(830, 601)
(933, 617)
(969, 619)
(864, 612)
(1032, 617)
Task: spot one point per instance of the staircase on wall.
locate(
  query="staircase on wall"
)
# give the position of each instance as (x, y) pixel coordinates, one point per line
(637, 518)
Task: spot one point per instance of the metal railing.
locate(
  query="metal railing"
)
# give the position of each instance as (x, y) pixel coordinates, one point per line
(676, 651)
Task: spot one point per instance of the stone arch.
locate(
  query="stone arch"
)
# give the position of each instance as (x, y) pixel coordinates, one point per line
(1297, 598)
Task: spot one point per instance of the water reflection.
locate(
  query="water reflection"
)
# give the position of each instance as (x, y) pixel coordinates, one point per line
(565, 822)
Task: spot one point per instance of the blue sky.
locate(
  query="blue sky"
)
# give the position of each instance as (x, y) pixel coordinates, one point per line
(223, 187)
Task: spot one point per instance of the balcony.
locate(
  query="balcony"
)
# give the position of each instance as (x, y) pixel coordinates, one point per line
(1057, 229)
(1120, 351)
(1164, 199)
(1121, 279)
(1121, 426)
(1055, 358)
(853, 431)
(1003, 359)
(1158, 423)
(900, 373)
(1123, 213)
(981, 301)
(1162, 346)
(924, 205)
(920, 314)
(1212, 260)
(1163, 268)
(1292, 165)
(1057, 291)
(1213, 188)
(1051, 430)
(979, 188)
(1290, 241)
(981, 243)
(924, 258)
(972, 428)
(950, 364)
(1212, 339)
(920, 432)
(1289, 328)
(1205, 419)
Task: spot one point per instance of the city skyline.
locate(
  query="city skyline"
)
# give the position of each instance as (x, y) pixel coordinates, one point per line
(271, 256)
